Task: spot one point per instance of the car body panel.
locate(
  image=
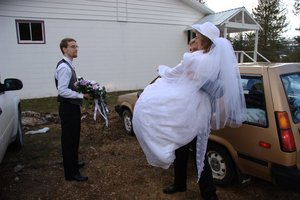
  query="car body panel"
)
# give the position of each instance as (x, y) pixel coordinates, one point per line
(246, 152)
(281, 103)
(9, 118)
(126, 101)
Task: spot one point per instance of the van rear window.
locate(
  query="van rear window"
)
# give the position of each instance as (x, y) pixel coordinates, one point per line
(255, 100)
(291, 85)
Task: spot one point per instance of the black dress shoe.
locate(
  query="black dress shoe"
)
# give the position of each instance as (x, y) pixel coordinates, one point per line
(213, 197)
(171, 189)
(78, 177)
(81, 164)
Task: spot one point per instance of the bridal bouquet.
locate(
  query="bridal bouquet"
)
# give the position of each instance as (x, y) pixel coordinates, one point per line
(97, 92)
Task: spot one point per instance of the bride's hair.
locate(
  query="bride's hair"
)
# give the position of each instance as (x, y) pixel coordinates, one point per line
(205, 43)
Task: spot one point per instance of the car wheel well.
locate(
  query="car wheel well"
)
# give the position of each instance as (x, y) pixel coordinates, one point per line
(19, 140)
(124, 107)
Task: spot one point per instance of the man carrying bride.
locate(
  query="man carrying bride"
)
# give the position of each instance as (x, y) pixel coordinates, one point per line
(202, 92)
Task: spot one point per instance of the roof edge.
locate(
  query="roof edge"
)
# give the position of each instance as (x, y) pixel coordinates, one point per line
(198, 6)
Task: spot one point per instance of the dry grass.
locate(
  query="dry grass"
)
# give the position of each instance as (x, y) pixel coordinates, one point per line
(116, 166)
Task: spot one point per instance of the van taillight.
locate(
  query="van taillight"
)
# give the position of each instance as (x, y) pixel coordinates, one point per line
(285, 133)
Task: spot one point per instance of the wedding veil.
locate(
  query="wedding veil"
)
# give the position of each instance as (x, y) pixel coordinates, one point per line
(230, 109)
(223, 83)
(216, 72)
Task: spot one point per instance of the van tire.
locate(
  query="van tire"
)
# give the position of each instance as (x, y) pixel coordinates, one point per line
(221, 164)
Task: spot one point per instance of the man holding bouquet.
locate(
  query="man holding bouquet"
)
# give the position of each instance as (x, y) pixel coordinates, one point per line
(69, 110)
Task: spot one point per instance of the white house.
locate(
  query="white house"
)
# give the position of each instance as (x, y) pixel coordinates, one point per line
(121, 42)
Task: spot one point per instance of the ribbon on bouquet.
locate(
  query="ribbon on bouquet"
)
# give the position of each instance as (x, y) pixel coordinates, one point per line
(103, 110)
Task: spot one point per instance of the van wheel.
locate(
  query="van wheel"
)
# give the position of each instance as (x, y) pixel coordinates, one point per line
(221, 165)
(19, 141)
(127, 121)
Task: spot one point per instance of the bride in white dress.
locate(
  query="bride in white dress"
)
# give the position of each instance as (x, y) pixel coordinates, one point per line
(202, 91)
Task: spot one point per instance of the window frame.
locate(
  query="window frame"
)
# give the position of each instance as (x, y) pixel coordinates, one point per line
(248, 76)
(286, 95)
(190, 35)
(18, 21)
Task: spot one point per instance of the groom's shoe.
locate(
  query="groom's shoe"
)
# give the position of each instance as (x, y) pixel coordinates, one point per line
(77, 177)
(171, 189)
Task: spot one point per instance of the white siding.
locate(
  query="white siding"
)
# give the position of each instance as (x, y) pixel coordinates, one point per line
(56, 9)
(155, 11)
(146, 11)
(120, 51)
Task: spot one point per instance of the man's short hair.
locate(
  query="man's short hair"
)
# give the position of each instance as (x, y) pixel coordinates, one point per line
(64, 43)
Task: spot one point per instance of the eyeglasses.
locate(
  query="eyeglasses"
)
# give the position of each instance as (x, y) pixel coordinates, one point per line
(74, 47)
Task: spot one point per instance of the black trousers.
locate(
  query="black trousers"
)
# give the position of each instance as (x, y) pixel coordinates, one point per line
(206, 185)
(70, 116)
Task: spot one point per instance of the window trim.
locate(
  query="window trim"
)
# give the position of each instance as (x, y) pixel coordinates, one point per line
(190, 35)
(258, 76)
(286, 94)
(30, 41)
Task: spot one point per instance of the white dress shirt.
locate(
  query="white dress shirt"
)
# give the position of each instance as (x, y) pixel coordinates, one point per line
(63, 74)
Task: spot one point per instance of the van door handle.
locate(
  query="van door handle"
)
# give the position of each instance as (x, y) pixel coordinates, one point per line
(0, 111)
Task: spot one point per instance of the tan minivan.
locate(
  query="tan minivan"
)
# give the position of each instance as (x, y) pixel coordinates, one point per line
(267, 145)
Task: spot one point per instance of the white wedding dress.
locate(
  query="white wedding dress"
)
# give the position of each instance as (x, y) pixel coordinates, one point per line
(174, 110)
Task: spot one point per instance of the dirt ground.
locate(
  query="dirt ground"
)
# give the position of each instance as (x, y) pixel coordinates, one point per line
(116, 167)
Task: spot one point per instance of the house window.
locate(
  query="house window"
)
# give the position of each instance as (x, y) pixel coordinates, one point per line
(190, 35)
(30, 32)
